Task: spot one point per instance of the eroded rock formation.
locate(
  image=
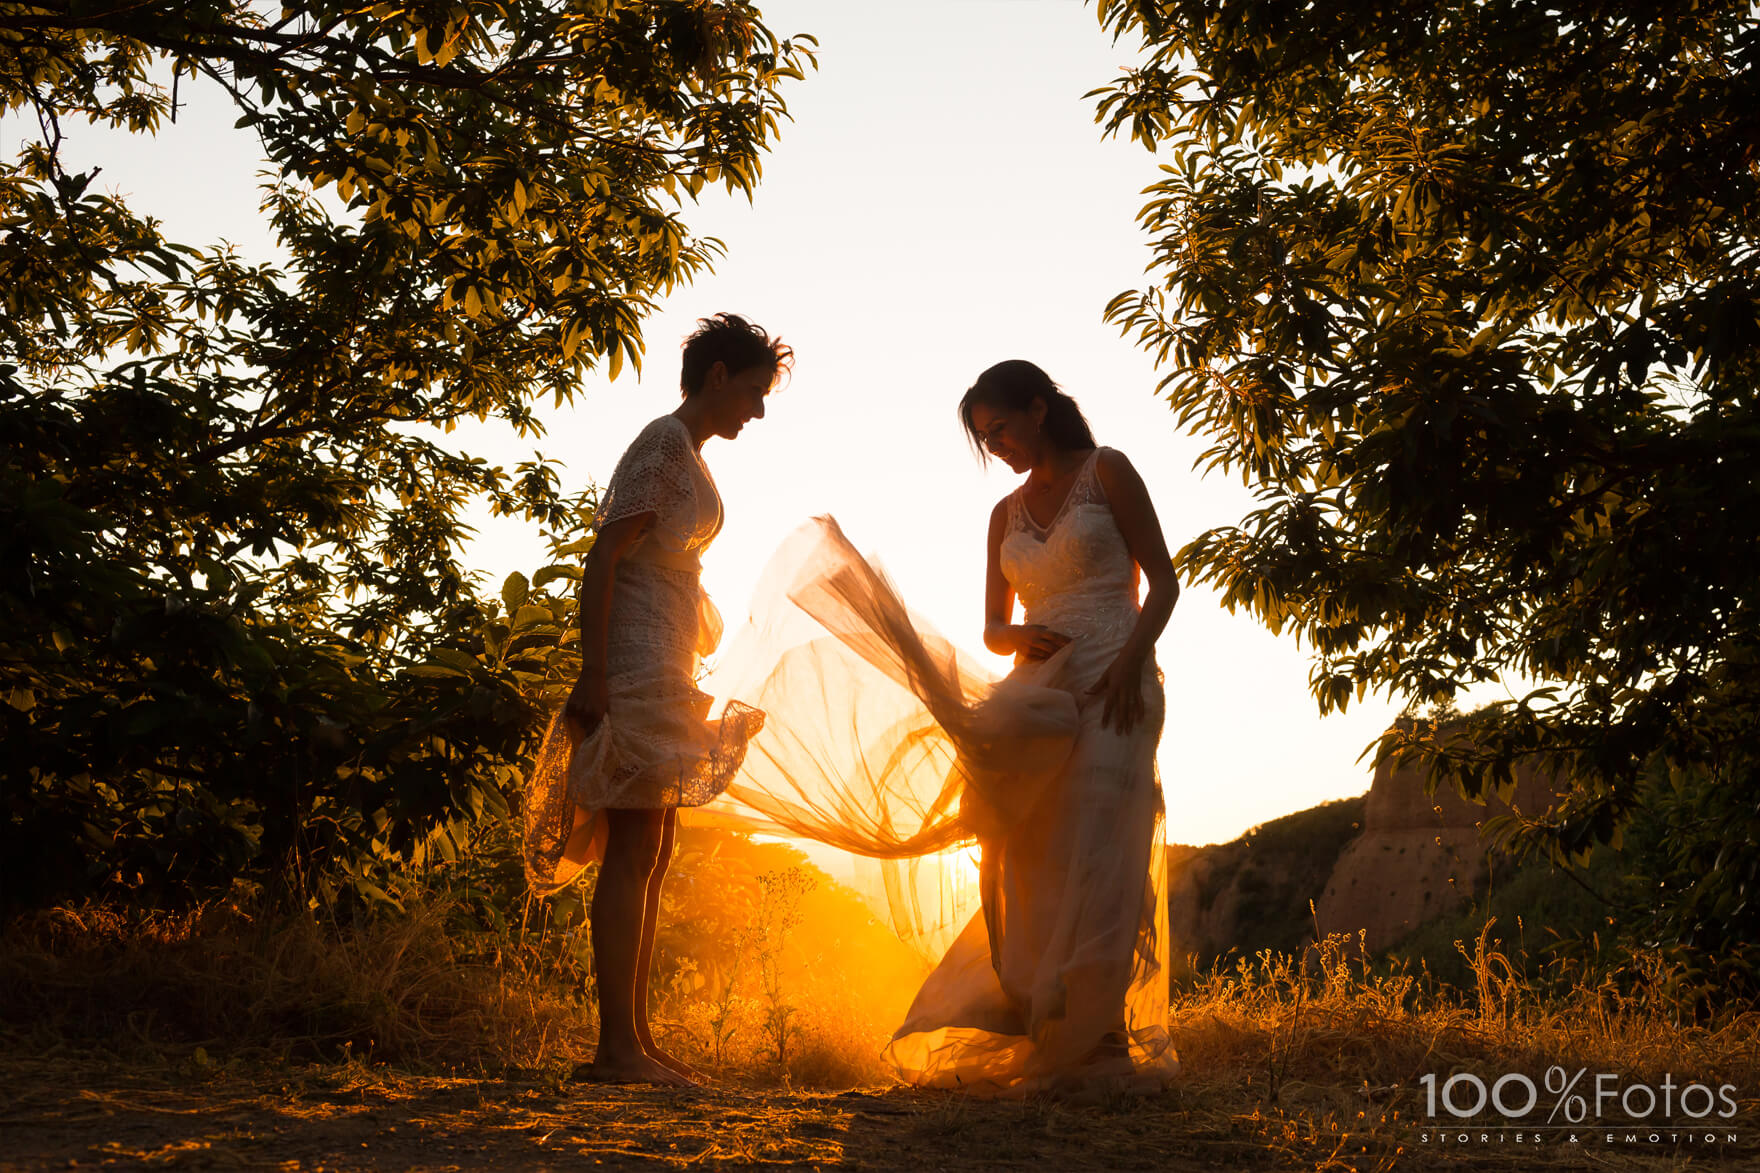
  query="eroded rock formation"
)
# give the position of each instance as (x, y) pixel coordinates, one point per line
(1420, 856)
(1381, 864)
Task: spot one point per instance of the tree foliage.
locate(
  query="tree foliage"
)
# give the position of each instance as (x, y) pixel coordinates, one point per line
(1468, 294)
(237, 631)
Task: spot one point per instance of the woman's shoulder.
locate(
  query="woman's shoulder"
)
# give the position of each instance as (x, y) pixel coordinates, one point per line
(668, 428)
(661, 438)
(1115, 472)
(654, 474)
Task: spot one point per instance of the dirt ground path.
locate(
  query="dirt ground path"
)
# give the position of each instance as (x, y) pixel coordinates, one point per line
(81, 1115)
(342, 1120)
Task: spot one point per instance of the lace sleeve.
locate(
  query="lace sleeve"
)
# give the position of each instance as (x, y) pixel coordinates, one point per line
(653, 476)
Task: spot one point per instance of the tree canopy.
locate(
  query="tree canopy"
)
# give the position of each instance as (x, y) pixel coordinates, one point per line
(1468, 295)
(237, 633)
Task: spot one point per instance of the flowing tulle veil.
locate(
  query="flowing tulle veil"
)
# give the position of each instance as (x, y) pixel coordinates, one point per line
(882, 738)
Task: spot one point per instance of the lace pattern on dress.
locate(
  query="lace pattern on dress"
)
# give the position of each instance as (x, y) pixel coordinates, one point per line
(661, 472)
(656, 746)
(1086, 490)
(612, 766)
(655, 615)
(1075, 575)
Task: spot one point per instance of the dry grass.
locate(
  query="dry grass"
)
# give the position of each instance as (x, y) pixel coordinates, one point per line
(392, 989)
(1291, 1062)
(1320, 1057)
(416, 990)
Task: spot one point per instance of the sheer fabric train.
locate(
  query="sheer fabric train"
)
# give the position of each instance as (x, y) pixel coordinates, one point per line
(882, 740)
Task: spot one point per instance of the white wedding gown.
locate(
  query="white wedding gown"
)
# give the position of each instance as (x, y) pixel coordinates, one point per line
(881, 740)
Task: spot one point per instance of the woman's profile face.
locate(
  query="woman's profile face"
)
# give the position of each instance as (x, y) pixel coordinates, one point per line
(737, 399)
(1010, 436)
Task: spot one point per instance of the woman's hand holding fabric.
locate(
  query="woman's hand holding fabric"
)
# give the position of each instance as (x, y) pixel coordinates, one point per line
(1034, 641)
(587, 706)
(1122, 686)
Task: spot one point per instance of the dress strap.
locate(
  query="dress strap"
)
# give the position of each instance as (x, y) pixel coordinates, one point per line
(1087, 490)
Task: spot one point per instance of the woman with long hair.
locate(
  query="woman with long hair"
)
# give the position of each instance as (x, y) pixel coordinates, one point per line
(885, 742)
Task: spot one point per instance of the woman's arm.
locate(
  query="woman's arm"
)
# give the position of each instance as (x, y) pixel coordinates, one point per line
(1135, 515)
(1001, 636)
(590, 700)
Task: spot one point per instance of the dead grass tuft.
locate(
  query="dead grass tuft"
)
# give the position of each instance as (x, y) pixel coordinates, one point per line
(393, 989)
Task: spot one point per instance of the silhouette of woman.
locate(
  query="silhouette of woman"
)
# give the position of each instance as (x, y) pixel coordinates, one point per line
(883, 741)
(633, 743)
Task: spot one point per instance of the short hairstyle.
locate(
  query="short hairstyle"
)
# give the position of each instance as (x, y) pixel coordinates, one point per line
(1012, 386)
(737, 344)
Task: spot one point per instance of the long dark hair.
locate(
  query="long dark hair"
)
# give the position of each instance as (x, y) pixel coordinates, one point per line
(1012, 386)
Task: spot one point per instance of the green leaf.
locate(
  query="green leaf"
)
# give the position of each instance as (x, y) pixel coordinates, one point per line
(549, 574)
(531, 615)
(461, 662)
(514, 590)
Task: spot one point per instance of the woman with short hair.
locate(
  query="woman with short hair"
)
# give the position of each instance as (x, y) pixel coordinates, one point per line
(633, 744)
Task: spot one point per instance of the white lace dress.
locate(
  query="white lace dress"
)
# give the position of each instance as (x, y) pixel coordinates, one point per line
(1063, 979)
(884, 740)
(656, 747)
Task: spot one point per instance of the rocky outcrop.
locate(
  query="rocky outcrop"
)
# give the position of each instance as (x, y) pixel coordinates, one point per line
(1420, 856)
(1201, 902)
(1380, 865)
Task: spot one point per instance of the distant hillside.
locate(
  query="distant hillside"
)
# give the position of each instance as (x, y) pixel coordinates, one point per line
(1254, 892)
(1406, 869)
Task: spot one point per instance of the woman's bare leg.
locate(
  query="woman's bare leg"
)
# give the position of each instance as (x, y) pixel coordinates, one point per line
(645, 958)
(631, 851)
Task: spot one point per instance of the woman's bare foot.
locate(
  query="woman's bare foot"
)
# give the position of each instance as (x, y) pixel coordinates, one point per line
(637, 1068)
(1113, 1045)
(653, 1051)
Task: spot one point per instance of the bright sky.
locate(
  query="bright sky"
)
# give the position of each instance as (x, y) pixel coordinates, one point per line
(942, 201)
